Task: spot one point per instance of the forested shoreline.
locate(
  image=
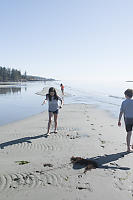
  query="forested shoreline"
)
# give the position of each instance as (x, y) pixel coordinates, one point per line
(14, 75)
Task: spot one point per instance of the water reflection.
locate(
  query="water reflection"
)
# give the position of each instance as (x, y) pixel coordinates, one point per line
(10, 90)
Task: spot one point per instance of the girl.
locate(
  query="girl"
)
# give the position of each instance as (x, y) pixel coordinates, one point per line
(53, 107)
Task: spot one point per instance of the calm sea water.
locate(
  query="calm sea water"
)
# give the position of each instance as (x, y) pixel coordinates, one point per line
(108, 95)
(17, 102)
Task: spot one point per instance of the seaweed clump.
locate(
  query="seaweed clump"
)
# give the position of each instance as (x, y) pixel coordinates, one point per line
(87, 163)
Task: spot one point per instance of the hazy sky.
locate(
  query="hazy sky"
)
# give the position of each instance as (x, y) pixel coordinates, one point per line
(68, 39)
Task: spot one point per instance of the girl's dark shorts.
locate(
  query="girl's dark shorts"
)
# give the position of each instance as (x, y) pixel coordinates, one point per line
(55, 112)
(129, 124)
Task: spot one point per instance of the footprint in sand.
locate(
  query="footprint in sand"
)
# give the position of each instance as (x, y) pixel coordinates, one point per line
(102, 141)
(88, 118)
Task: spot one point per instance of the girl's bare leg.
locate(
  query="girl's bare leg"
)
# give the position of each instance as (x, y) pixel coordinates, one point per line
(55, 121)
(49, 122)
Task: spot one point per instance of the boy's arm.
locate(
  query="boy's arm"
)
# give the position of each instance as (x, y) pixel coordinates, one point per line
(121, 113)
(119, 120)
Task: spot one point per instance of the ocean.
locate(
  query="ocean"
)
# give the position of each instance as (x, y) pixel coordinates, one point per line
(107, 95)
(19, 102)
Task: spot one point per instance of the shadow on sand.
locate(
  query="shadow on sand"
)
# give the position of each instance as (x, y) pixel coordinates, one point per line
(21, 140)
(101, 161)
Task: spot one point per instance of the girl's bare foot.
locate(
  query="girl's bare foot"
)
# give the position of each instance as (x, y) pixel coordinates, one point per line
(128, 150)
(55, 131)
(48, 133)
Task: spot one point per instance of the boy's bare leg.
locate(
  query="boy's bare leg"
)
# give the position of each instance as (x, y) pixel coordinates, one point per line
(128, 138)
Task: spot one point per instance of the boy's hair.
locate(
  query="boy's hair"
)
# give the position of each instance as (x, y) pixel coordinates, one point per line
(129, 93)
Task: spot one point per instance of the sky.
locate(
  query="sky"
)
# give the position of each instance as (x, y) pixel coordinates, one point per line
(68, 39)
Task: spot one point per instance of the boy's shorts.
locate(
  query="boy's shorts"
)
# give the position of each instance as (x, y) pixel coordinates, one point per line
(129, 124)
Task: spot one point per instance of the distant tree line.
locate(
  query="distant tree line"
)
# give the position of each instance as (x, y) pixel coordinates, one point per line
(7, 74)
(14, 75)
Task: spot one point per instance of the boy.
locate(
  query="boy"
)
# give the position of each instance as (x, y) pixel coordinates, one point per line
(62, 88)
(127, 110)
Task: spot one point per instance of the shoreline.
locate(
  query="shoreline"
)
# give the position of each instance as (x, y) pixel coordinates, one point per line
(83, 131)
(97, 107)
(12, 84)
(41, 92)
(46, 110)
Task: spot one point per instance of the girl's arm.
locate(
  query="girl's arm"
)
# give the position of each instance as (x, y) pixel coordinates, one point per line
(61, 102)
(45, 101)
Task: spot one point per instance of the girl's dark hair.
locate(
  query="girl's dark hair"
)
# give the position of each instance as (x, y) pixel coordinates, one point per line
(52, 89)
(129, 93)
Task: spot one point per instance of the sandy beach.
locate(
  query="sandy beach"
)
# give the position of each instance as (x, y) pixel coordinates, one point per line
(33, 166)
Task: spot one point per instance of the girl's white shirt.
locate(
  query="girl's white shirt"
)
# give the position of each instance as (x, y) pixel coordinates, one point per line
(53, 105)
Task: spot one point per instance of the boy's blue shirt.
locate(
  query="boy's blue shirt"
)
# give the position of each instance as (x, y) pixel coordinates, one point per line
(127, 108)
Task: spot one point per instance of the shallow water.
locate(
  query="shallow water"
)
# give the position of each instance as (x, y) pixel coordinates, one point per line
(19, 102)
(106, 95)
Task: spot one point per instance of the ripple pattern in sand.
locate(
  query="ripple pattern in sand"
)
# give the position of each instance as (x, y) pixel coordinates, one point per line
(30, 180)
(45, 144)
(65, 133)
(37, 146)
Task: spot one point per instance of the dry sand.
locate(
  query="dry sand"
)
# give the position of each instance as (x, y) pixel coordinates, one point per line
(83, 130)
